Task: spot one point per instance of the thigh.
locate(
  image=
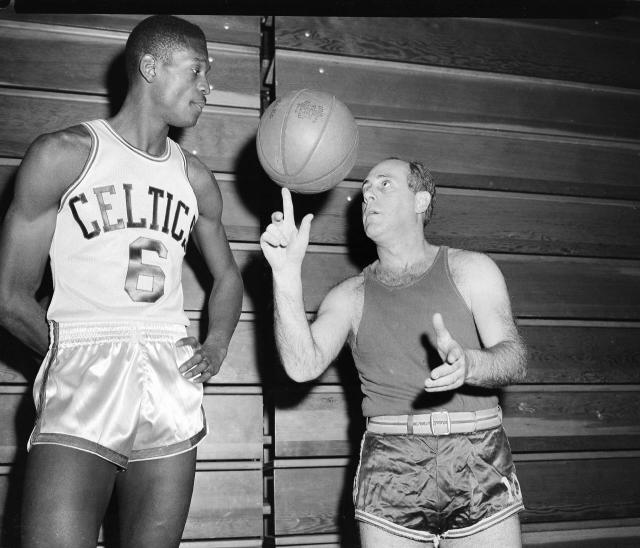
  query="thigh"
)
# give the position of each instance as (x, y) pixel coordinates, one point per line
(374, 537)
(65, 496)
(505, 534)
(153, 501)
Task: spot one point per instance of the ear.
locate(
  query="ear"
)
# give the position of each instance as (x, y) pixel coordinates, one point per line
(421, 201)
(147, 67)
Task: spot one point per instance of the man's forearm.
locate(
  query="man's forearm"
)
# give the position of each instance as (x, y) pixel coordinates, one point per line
(499, 365)
(294, 340)
(225, 306)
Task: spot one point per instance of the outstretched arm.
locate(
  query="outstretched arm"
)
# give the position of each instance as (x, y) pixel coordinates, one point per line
(50, 165)
(225, 300)
(305, 350)
(502, 360)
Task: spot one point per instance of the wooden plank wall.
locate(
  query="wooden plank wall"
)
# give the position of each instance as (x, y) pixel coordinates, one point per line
(532, 130)
(56, 70)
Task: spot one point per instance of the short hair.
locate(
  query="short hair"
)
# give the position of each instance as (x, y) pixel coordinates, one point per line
(159, 35)
(420, 178)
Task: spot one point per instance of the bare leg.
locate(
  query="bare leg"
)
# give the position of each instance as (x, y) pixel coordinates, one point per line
(374, 537)
(153, 501)
(505, 534)
(66, 494)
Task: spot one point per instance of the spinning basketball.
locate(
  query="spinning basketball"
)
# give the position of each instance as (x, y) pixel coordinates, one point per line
(307, 141)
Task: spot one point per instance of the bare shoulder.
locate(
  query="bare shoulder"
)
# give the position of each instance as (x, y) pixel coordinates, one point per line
(54, 161)
(467, 266)
(475, 274)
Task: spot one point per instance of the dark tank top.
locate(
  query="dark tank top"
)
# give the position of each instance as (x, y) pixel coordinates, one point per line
(394, 350)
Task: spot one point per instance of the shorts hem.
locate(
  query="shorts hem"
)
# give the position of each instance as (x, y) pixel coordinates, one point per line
(413, 534)
(485, 523)
(169, 450)
(75, 442)
(394, 528)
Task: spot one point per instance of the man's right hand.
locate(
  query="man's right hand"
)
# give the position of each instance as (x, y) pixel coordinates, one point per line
(283, 245)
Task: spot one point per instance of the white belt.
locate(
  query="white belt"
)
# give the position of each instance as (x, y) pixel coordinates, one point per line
(438, 423)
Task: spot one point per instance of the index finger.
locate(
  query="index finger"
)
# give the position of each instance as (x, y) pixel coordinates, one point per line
(287, 205)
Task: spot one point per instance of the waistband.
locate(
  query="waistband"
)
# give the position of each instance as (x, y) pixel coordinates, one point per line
(437, 423)
(105, 332)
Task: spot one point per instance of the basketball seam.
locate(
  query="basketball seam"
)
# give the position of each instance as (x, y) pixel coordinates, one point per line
(283, 132)
(344, 160)
(317, 143)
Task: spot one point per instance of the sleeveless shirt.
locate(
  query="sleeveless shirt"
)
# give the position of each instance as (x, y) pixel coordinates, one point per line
(121, 234)
(394, 350)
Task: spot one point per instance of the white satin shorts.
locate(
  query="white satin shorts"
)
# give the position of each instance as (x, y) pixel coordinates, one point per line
(114, 390)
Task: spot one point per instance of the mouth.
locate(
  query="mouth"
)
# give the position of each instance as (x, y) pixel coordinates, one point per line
(200, 105)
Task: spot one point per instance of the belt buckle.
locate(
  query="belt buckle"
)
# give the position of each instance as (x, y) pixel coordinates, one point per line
(440, 423)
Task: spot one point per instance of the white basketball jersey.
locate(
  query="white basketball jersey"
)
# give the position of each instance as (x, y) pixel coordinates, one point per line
(121, 233)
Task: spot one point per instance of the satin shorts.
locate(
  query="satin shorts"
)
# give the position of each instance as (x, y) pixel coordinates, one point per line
(431, 487)
(114, 390)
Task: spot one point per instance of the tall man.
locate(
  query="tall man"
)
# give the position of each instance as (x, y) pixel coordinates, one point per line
(118, 396)
(435, 464)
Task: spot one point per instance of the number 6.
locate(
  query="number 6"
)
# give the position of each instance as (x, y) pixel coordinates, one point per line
(137, 268)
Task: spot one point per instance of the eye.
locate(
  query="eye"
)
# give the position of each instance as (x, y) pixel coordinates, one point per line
(386, 183)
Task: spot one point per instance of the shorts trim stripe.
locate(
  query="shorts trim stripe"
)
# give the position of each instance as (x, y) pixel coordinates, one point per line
(485, 523)
(393, 528)
(42, 396)
(83, 445)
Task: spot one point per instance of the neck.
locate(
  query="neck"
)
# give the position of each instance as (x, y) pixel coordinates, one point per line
(407, 260)
(135, 123)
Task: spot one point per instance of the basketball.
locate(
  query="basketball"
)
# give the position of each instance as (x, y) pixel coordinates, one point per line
(307, 141)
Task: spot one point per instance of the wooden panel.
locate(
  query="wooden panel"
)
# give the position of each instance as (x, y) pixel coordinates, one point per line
(545, 287)
(582, 354)
(328, 423)
(558, 353)
(295, 512)
(235, 425)
(490, 45)
(562, 490)
(555, 287)
(219, 138)
(226, 504)
(494, 221)
(592, 537)
(505, 160)
(415, 93)
(231, 29)
(93, 62)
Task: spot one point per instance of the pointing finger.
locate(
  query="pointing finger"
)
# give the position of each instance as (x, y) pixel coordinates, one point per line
(287, 205)
(438, 325)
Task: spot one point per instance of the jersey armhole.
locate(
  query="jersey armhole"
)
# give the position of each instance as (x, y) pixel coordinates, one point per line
(87, 165)
(454, 286)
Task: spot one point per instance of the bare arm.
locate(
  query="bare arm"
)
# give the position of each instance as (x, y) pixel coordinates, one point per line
(305, 350)
(502, 360)
(50, 165)
(225, 300)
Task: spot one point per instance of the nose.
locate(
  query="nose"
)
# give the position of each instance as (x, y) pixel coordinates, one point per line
(367, 194)
(204, 86)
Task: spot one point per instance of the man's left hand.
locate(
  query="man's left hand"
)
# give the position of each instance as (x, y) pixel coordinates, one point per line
(205, 362)
(453, 372)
